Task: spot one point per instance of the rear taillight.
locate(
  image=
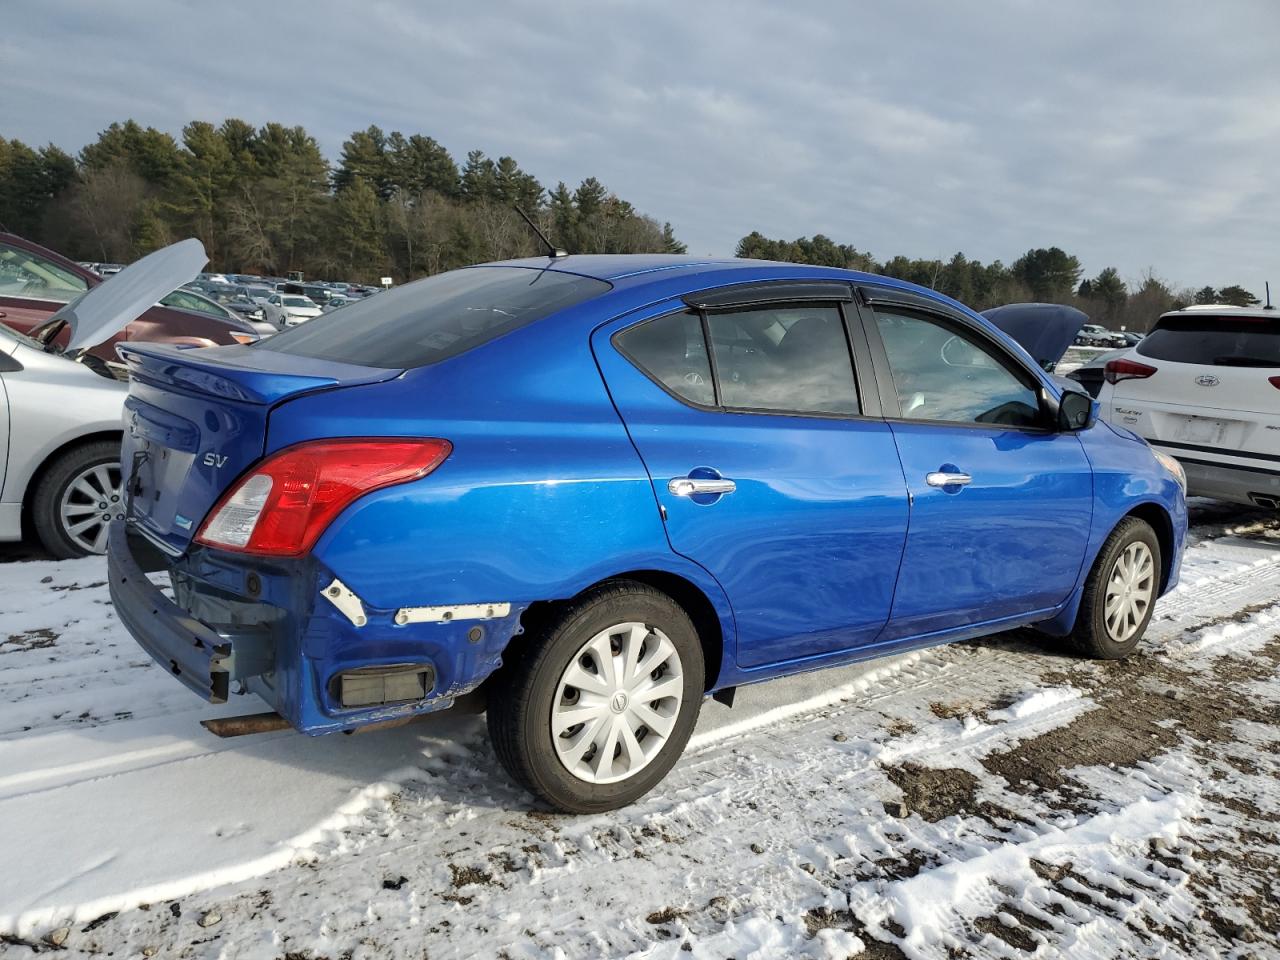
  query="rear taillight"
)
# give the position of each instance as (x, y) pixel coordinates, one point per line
(281, 507)
(1117, 370)
(1274, 381)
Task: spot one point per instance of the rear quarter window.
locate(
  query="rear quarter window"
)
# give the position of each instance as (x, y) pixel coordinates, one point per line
(436, 318)
(1215, 341)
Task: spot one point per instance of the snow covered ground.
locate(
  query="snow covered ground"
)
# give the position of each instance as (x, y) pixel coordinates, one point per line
(991, 799)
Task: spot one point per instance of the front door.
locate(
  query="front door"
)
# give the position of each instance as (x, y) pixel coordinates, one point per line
(767, 472)
(1002, 501)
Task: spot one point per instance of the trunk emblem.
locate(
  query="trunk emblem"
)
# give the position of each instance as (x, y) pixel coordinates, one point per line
(212, 459)
(1207, 380)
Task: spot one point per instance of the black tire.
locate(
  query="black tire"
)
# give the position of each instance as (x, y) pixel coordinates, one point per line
(1090, 636)
(46, 513)
(523, 692)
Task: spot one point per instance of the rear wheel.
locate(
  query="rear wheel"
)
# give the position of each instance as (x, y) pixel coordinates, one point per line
(598, 704)
(77, 498)
(1120, 594)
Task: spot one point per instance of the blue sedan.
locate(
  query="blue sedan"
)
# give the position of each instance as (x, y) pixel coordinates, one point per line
(599, 489)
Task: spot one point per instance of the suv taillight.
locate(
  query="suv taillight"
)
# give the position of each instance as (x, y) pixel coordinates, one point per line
(1117, 370)
(281, 507)
(1274, 381)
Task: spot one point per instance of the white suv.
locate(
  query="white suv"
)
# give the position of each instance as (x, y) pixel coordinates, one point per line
(1204, 386)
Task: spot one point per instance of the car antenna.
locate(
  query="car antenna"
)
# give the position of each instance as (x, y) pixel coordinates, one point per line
(1269, 305)
(554, 252)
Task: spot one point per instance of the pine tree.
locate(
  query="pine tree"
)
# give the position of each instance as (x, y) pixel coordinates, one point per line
(669, 242)
(364, 157)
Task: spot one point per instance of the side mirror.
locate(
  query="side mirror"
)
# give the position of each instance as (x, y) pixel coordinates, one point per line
(1075, 411)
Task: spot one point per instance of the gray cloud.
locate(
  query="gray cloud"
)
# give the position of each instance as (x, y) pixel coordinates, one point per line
(1135, 135)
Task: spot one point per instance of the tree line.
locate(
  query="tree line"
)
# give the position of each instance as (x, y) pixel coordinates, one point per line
(1046, 275)
(266, 200)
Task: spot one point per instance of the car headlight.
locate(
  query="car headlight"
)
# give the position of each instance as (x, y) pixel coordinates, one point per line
(1174, 467)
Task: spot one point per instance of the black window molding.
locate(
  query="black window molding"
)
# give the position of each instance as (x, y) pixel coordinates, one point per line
(768, 292)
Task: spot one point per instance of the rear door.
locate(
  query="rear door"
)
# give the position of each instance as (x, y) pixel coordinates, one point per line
(1205, 383)
(768, 462)
(1002, 505)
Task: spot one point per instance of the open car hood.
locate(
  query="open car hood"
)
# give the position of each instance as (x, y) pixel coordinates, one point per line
(100, 312)
(1044, 330)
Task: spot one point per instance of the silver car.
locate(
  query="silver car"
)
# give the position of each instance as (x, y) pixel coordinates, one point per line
(61, 412)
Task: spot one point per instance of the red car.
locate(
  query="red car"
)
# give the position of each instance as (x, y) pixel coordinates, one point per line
(35, 282)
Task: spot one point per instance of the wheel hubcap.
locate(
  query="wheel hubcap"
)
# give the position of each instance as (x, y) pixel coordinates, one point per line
(1129, 591)
(617, 703)
(89, 503)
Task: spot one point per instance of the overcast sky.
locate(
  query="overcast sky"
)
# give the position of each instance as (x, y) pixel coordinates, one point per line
(1137, 134)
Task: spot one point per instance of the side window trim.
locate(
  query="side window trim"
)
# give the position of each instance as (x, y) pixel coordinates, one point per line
(705, 325)
(861, 364)
(892, 408)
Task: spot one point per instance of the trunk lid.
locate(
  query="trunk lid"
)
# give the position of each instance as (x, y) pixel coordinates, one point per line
(195, 420)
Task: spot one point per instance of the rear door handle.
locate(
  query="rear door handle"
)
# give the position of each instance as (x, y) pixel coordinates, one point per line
(941, 479)
(692, 486)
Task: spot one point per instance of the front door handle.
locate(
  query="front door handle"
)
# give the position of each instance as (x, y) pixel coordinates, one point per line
(942, 479)
(694, 486)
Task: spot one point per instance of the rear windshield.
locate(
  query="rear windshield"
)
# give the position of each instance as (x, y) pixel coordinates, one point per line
(435, 318)
(1215, 341)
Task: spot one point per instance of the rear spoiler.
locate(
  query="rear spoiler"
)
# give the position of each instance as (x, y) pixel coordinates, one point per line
(242, 373)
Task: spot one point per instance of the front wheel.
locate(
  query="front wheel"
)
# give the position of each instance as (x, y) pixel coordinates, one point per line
(1120, 594)
(596, 706)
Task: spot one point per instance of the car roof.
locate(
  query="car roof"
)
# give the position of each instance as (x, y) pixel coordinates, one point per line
(614, 267)
(1226, 310)
(675, 275)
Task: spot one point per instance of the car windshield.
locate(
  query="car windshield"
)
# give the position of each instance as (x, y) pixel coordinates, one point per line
(297, 302)
(438, 317)
(1220, 341)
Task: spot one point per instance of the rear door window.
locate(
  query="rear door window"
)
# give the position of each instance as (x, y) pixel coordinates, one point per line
(672, 352)
(1218, 341)
(784, 359)
(791, 359)
(436, 318)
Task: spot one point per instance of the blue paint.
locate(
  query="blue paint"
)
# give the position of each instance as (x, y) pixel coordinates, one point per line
(831, 549)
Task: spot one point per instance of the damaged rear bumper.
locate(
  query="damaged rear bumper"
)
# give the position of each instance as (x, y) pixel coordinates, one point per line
(292, 633)
(193, 652)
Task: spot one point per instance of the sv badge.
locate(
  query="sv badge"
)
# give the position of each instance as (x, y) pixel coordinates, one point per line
(211, 459)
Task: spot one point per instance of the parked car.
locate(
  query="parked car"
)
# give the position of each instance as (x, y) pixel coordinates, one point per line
(290, 309)
(334, 302)
(233, 310)
(1090, 375)
(600, 488)
(36, 282)
(60, 421)
(1204, 385)
(259, 294)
